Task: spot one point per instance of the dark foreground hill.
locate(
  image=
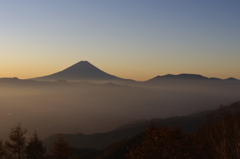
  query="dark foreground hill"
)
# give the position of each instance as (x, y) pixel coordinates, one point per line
(119, 150)
(188, 124)
(101, 140)
(197, 145)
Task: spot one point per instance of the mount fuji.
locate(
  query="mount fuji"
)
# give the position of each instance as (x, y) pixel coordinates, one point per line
(82, 70)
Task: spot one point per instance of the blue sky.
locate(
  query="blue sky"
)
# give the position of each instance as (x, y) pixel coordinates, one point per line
(134, 39)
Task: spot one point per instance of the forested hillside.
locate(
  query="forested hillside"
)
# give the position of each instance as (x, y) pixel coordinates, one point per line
(217, 138)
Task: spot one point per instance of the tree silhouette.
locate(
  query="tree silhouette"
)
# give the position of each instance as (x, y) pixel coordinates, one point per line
(35, 149)
(61, 149)
(16, 146)
(2, 150)
(219, 137)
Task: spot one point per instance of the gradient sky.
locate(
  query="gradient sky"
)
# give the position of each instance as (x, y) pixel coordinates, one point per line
(136, 39)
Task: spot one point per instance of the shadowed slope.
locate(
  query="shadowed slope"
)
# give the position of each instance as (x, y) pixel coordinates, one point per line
(115, 144)
(82, 70)
(101, 140)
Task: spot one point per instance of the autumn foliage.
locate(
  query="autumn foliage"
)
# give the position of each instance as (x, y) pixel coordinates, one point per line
(61, 149)
(161, 142)
(217, 138)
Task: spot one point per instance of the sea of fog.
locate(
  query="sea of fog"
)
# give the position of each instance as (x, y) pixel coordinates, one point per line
(82, 107)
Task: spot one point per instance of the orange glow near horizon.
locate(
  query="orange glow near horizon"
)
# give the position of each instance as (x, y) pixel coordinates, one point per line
(139, 74)
(129, 39)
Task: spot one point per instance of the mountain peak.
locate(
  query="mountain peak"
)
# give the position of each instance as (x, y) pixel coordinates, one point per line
(82, 70)
(231, 79)
(82, 65)
(85, 62)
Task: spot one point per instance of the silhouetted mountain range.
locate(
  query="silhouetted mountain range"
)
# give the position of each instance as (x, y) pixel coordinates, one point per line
(187, 77)
(82, 70)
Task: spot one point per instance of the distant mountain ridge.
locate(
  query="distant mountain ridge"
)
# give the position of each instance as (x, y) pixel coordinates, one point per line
(185, 76)
(82, 70)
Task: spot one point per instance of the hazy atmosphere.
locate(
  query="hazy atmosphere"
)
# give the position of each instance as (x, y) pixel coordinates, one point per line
(98, 72)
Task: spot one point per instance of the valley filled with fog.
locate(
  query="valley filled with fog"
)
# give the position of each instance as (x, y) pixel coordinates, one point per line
(87, 107)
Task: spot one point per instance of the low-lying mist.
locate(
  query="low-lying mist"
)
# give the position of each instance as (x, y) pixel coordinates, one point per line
(82, 107)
